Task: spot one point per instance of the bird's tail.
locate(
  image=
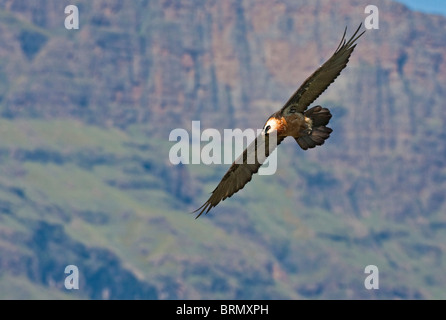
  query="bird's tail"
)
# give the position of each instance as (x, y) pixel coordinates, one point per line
(319, 132)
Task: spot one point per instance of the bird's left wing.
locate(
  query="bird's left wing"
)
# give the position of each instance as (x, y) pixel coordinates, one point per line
(326, 74)
(242, 169)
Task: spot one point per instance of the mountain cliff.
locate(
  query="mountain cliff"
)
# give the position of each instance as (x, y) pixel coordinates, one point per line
(86, 178)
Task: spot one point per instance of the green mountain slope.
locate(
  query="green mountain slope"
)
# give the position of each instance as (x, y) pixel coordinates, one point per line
(92, 202)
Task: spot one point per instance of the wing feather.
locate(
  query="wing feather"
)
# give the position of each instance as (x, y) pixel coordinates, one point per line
(240, 172)
(326, 74)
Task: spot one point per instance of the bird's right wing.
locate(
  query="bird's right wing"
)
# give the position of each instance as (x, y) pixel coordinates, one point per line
(242, 169)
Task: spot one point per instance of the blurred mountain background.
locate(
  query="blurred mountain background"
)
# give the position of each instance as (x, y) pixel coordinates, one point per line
(85, 177)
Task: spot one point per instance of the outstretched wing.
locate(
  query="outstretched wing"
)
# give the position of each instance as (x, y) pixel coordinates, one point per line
(241, 170)
(319, 81)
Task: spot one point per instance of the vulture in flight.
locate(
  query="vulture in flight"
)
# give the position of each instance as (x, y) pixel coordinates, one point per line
(307, 127)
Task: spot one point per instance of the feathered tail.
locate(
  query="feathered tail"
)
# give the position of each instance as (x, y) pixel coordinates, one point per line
(319, 132)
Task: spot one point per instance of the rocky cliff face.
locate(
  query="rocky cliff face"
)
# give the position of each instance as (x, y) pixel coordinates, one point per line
(176, 61)
(162, 64)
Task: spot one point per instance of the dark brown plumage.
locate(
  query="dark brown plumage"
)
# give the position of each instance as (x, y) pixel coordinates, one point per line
(307, 127)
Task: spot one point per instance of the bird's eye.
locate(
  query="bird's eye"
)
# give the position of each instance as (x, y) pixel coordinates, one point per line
(292, 110)
(267, 128)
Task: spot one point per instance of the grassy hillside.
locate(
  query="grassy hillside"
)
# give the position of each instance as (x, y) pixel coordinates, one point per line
(96, 197)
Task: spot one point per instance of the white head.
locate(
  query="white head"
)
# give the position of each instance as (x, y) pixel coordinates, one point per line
(271, 125)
